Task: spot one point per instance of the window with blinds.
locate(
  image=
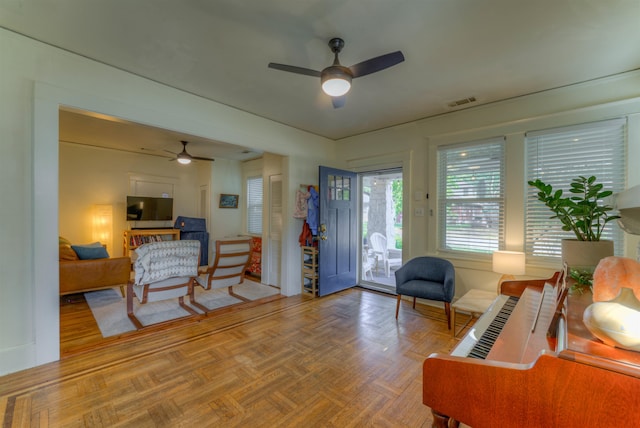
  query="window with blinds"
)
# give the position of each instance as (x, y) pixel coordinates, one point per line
(557, 156)
(254, 205)
(471, 196)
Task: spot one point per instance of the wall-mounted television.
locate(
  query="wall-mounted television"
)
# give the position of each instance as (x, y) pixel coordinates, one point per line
(144, 208)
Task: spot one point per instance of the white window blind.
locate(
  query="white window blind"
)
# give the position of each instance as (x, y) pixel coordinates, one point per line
(471, 196)
(557, 156)
(254, 205)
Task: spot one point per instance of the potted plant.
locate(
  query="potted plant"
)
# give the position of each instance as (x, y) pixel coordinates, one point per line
(584, 214)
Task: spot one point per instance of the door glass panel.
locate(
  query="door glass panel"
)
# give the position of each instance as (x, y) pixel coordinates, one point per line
(339, 188)
(381, 228)
(346, 189)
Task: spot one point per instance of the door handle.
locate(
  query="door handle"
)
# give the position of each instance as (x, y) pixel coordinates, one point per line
(323, 231)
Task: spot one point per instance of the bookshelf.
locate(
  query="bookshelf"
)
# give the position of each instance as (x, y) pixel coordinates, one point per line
(310, 270)
(136, 237)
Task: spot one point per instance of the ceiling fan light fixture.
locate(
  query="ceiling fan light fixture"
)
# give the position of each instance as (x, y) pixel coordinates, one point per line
(336, 81)
(184, 161)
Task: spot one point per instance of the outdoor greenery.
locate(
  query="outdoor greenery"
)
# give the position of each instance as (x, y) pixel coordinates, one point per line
(396, 210)
(583, 214)
(396, 190)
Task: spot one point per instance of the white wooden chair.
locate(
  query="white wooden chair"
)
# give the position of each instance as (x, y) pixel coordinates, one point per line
(229, 265)
(367, 265)
(381, 251)
(164, 270)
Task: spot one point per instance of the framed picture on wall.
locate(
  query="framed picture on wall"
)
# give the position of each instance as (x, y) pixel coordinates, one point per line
(228, 201)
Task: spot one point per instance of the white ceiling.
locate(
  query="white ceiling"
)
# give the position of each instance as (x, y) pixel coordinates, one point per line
(454, 49)
(92, 129)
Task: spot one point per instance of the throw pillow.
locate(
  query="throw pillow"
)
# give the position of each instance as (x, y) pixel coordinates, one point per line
(67, 253)
(91, 251)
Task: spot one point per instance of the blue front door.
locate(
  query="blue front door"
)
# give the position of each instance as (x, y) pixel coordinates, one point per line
(337, 230)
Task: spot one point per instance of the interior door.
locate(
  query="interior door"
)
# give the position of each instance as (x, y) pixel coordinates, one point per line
(337, 230)
(275, 231)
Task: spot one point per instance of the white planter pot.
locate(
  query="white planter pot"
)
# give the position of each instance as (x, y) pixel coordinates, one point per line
(585, 254)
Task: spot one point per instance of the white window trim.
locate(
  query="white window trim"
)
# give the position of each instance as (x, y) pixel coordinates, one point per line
(487, 247)
(250, 205)
(556, 160)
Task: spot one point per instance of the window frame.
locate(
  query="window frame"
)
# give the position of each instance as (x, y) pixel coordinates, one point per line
(255, 211)
(495, 219)
(542, 234)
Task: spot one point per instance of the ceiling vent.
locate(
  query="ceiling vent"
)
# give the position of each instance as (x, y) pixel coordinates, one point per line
(463, 101)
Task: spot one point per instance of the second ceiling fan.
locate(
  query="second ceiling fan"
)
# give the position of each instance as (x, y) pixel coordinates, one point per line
(184, 157)
(336, 79)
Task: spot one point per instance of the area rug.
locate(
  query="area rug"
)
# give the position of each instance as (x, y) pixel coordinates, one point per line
(109, 308)
(251, 290)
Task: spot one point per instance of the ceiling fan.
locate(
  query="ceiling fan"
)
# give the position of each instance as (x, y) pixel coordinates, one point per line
(336, 79)
(184, 157)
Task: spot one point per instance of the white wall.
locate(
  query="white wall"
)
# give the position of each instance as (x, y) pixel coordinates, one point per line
(226, 178)
(91, 175)
(598, 100)
(36, 80)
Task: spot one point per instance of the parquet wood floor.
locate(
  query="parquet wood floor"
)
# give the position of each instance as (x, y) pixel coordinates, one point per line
(338, 361)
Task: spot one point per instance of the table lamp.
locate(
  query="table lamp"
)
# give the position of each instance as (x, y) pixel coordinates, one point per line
(508, 263)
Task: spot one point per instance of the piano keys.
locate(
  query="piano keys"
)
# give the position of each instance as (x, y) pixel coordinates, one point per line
(526, 378)
(471, 339)
(485, 342)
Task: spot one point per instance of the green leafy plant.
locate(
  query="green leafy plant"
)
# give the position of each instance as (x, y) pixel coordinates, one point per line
(583, 279)
(583, 213)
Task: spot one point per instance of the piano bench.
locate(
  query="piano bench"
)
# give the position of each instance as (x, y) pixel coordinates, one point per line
(474, 302)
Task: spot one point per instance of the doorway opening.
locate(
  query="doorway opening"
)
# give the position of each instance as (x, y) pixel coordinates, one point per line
(381, 228)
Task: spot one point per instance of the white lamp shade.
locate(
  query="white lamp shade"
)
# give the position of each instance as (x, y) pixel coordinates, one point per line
(336, 86)
(184, 161)
(103, 224)
(509, 262)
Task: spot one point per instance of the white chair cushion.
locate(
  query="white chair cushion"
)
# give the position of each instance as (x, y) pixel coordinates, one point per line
(217, 283)
(154, 296)
(157, 261)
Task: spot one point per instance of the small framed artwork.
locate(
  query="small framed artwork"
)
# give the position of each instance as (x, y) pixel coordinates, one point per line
(228, 201)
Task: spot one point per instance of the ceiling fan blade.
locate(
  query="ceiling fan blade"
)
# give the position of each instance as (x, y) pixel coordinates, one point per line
(203, 159)
(173, 153)
(339, 101)
(294, 69)
(376, 64)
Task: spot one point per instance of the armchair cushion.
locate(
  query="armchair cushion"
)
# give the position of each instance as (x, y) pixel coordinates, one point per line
(430, 278)
(420, 274)
(423, 289)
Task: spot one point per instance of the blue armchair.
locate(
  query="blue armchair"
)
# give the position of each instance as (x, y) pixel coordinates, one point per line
(429, 278)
